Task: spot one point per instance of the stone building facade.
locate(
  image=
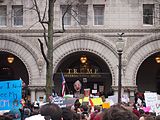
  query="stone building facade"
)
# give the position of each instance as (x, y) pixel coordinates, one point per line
(96, 37)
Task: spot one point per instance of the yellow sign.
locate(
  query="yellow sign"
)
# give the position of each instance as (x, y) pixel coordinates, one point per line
(86, 99)
(106, 105)
(97, 101)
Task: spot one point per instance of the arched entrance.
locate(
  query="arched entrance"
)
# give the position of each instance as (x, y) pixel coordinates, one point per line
(92, 73)
(148, 76)
(139, 57)
(12, 68)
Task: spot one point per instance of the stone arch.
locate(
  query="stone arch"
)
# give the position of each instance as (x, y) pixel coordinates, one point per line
(24, 52)
(90, 43)
(137, 54)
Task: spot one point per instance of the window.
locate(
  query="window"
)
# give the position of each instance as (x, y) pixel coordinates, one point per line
(3, 15)
(148, 10)
(82, 14)
(98, 14)
(67, 11)
(17, 15)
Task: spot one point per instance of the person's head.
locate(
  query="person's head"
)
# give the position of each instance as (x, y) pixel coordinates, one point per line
(76, 116)
(15, 113)
(85, 107)
(51, 111)
(97, 108)
(149, 117)
(77, 104)
(118, 112)
(27, 111)
(35, 110)
(67, 114)
(141, 111)
(157, 117)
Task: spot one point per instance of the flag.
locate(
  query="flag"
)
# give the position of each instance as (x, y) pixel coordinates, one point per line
(63, 85)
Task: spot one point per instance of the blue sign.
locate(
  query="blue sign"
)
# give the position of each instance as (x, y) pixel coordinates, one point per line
(10, 94)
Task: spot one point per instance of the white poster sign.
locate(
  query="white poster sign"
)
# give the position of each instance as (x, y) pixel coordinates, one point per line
(151, 100)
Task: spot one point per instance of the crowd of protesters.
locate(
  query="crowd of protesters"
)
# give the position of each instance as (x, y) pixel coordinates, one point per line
(78, 111)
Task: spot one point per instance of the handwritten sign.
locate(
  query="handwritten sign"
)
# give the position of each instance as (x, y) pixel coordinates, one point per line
(63, 102)
(151, 100)
(10, 94)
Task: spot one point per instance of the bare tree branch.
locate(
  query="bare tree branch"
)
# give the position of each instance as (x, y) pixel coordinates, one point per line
(44, 34)
(41, 21)
(42, 50)
(44, 15)
(37, 10)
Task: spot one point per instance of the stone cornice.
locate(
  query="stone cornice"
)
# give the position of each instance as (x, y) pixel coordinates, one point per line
(34, 88)
(126, 88)
(148, 30)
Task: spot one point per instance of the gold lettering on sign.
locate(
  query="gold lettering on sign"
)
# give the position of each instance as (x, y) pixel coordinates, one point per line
(81, 71)
(75, 71)
(69, 71)
(96, 70)
(89, 70)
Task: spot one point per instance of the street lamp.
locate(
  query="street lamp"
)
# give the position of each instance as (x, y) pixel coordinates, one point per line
(120, 47)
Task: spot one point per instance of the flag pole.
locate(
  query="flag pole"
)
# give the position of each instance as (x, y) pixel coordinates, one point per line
(66, 88)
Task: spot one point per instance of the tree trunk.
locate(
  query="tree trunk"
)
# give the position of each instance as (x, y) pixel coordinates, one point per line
(49, 66)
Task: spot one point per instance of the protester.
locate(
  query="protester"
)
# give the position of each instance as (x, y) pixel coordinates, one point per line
(157, 117)
(96, 110)
(6, 116)
(67, 114)
(99, 115)
(76, 106)
(76, 116)
(26, 113)
(118, 112)
(35, 109)
(51, 111)
(147, 117)
(15, 114)
(150, 117)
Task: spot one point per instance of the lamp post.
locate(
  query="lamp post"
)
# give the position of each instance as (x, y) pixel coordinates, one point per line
(120, 47)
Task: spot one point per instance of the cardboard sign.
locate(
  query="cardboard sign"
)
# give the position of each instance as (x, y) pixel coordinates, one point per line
(10, 94)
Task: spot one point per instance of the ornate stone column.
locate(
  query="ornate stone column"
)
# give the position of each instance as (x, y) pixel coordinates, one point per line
(36, 90)
(33, 94)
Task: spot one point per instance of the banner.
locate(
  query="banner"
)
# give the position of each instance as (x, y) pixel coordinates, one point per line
(10, 94)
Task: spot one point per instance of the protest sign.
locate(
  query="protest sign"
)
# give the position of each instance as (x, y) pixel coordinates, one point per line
(151, 100)
(158, 108)
(114, 98)
(63, 102)
(97, 101)
(106, 105)
(10, 94)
